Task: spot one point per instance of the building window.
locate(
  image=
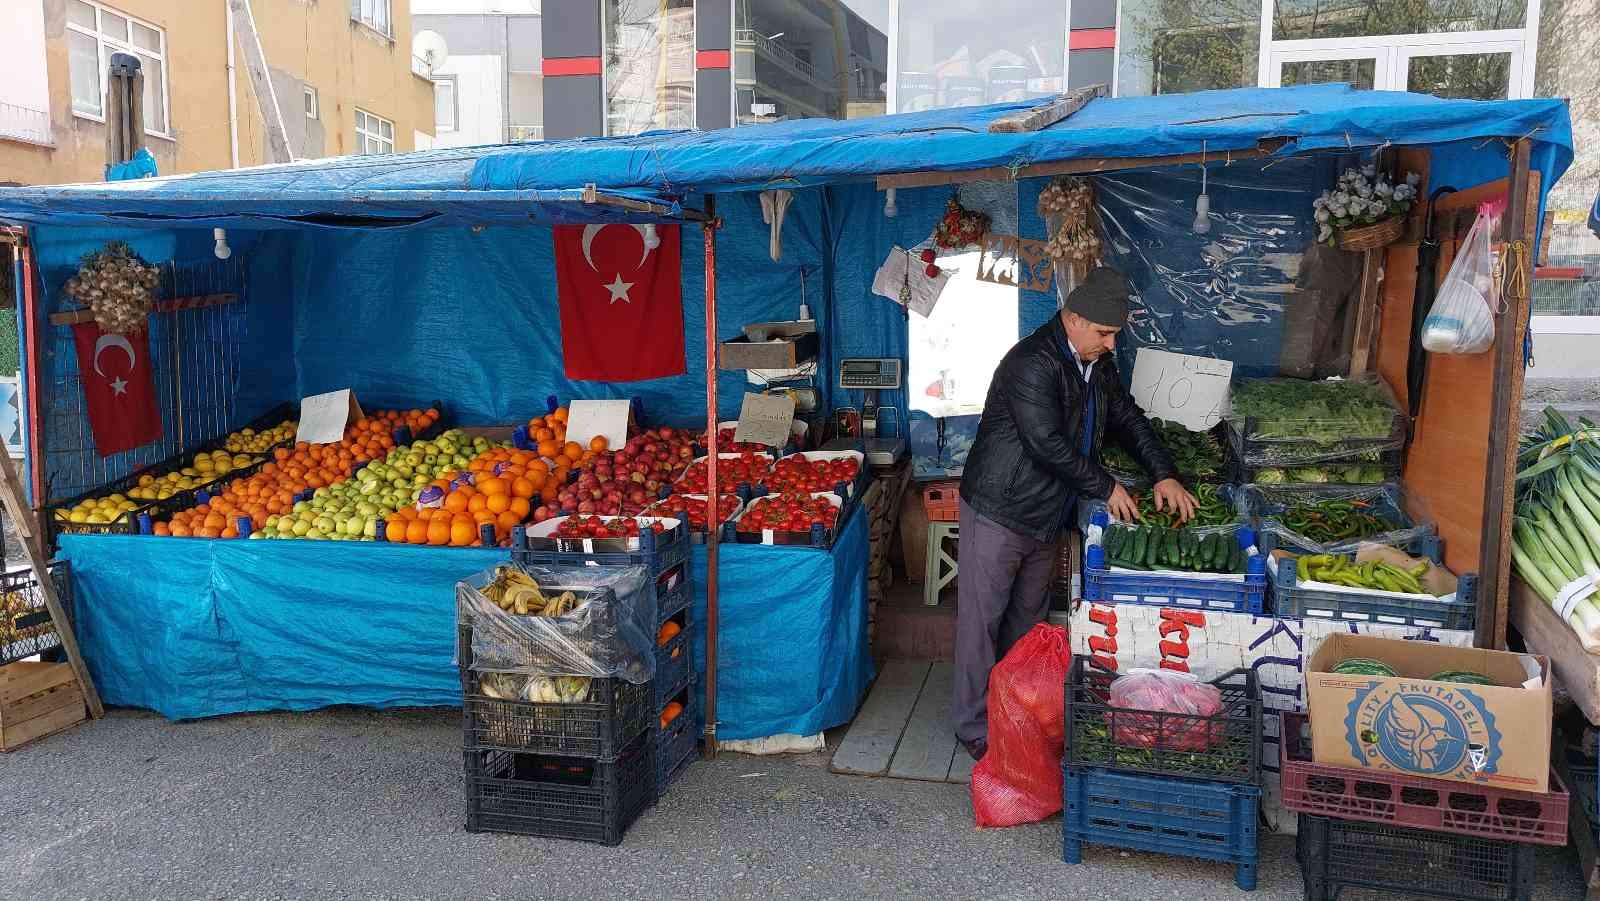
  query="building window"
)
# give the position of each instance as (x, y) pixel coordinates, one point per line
(649, 65)
(791, 62)
(374, 134)
(311, 102)
(950, 53)
(94, 32)
(444, 104)
(372, 13)
(1176, 46)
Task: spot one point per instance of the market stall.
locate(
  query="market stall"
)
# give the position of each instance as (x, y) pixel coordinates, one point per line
(423, 277)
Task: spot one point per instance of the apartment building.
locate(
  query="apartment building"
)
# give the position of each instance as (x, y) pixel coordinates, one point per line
(488, 84)
(342, 72)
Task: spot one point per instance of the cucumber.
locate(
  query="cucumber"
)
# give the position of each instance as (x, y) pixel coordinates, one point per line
(1113, 543)
(1363, 666)
(1208, 552)
(1137, 542)
(1152, 549)
(1465, 677)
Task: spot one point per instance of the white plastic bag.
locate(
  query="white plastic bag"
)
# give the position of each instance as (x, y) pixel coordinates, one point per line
(1462, 318)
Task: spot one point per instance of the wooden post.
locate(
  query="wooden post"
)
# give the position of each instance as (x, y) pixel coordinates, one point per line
(1047, 114)
(1510, 332)
(713, 520)
(1364, 343)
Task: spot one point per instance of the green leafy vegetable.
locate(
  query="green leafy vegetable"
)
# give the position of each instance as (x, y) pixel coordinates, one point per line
(1198, 455)
(1324, 412)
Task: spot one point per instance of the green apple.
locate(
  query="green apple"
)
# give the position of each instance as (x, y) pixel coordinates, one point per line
(302, 527)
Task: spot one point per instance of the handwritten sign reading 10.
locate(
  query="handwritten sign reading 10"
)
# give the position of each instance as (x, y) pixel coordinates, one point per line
(1181, 388)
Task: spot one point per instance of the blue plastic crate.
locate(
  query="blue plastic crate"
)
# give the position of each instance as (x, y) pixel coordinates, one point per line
(1183, 817)
(656, 553)
(676, 744)
(674, 665)
(673, 593)
(1374, 606)
(1173, 589)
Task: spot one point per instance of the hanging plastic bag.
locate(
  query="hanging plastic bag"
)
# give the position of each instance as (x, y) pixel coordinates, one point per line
(1165, 691)
(1019, 780)
(1462, 318)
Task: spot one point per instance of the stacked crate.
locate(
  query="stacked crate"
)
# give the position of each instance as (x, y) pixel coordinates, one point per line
(573, 769)
(1413, 836)
(673, 693)
(1164, 782)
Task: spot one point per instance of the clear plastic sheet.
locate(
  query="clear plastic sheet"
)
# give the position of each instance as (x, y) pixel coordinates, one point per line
(1295, 422)
(1278, 511)
(1218, 294)
(610, 634)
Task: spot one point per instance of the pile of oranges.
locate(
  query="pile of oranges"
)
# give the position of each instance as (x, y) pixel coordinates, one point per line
(549, 435)
(505, 484)
(272, 489)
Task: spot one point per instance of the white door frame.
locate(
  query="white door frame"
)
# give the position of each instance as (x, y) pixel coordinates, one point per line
(1335, 51)
(1393, 54)
(1519, 85)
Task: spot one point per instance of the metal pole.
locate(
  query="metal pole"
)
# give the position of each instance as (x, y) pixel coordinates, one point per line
(713, 521)
(30, 332)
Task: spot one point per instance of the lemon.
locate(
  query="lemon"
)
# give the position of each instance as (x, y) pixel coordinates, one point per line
(146, 481)
(78, 516)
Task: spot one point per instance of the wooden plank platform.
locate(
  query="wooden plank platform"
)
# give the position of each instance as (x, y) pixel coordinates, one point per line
(903, 730)
(36, 700)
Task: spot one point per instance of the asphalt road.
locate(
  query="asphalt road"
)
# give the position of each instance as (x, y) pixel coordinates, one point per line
(352, 803)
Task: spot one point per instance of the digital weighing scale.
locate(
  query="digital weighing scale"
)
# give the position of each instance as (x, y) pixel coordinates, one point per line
(871, 375)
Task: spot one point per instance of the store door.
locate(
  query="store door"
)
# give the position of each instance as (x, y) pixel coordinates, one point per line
(1475, 70)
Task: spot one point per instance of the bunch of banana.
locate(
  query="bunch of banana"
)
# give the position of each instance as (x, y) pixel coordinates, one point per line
(557, 690)
(516, 592)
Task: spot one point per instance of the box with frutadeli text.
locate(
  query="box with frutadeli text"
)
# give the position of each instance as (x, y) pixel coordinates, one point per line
(1495, 734)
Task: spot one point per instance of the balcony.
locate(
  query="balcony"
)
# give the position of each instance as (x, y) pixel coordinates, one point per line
(517, 134)
(31, 126)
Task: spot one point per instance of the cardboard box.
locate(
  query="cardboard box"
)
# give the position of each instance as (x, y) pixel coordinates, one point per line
(1492, 734)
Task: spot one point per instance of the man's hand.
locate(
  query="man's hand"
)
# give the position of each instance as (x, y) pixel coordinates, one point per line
(1171, 495)
(1121, 504)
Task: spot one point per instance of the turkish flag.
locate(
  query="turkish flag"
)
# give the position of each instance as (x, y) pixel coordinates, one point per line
(117, 388)
(621, 302)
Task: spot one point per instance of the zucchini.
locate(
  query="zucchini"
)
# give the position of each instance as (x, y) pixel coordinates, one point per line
(1363, 666)
(1464, 677)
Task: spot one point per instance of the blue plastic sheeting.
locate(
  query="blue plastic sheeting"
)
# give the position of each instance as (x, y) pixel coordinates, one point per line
(815, 151)
(194, 628)
(209, 628)
(793, 653)
(143, 165)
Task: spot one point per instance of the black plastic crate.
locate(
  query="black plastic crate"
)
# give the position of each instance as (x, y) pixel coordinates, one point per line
(1412, 863)
(673, 592)
(674, 661)
(284, 412)
(676, 744)
(616, 712)
(562, 797)
(26, 627)
(1225, 747)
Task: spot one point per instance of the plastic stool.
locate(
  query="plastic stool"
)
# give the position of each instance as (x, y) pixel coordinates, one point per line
(941, 568)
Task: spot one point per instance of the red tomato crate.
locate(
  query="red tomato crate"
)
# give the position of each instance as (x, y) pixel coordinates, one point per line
(1352, 793)
(942, 500)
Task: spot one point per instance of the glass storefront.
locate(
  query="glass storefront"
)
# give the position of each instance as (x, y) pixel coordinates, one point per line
(954, 53)
(1176, 46)
(649, 65)
(809, 58)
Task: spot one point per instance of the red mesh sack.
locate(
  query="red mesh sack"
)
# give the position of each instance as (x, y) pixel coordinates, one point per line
(1019, 779)
(1170, 692)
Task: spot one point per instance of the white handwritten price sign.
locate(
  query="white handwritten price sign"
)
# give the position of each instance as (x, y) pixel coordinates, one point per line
(1181, 388)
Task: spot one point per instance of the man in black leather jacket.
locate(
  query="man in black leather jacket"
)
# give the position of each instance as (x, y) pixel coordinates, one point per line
(1054, 397)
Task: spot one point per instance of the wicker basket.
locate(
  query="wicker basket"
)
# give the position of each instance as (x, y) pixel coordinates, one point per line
(1371, 237)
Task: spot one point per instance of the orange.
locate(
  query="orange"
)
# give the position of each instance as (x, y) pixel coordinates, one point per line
(494, 485)
(597, 443)
(482, 516)
(498, 503)
(456, 502)
(229, 532)
(416, 532)
(180, 530)
(670, 713)
(162, 528)
(544, 435)
(521, 507)
(395, 530)
(462, 533)
(439, 532)
(506, 520)
(477, 502)
(216, 521)
(669, 630)
(559, 414)
(549, 448)
(209, 532)
(523, 488)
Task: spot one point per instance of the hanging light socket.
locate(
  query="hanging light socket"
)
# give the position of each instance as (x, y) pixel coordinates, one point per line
(1202, 214)
(890, 210)
(221, 250)
(651, 239)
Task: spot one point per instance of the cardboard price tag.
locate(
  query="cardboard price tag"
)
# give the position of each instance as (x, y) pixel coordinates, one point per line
(324, 417)
(588, 418)
(1180, 387)
(765, 419)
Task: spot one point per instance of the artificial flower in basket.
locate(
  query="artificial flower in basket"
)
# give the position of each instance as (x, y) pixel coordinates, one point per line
(117, 286)
(960, 227)
(1365, 210)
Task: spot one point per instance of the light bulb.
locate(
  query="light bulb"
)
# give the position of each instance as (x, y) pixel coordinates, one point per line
(222, 250)
(1202, 214)
(890, 210)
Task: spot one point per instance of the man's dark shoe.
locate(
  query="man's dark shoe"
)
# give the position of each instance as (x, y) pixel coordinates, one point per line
(977, 747)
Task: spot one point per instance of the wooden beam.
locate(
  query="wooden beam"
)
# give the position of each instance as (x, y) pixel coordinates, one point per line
(1369, 310)
(73, 317)
(1494, 568)
(1093, 166)
(1047, 114)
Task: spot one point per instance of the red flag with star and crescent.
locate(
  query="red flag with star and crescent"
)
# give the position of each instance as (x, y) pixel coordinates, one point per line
(621, 301)
(117, 388)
